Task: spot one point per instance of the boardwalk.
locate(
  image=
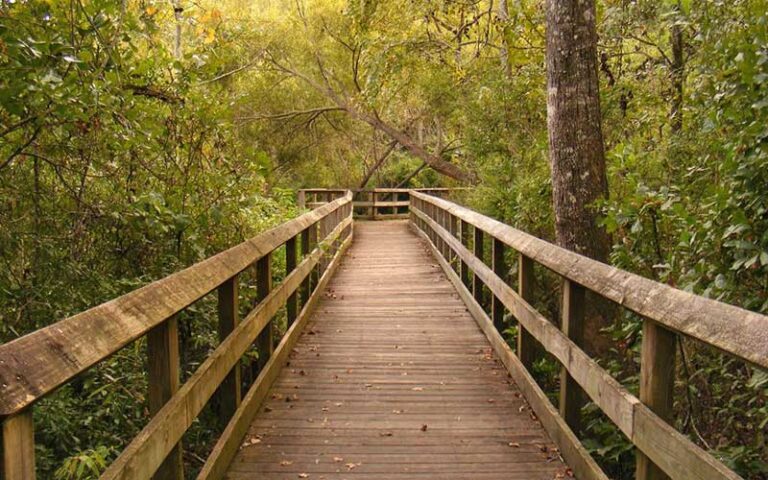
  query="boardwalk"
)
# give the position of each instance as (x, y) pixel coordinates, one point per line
(392, 379)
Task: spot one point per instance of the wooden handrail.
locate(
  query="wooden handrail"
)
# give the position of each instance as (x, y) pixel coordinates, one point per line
(664, 450)
(370, 203)
(36, 364)
(144, 454)
(734, 330)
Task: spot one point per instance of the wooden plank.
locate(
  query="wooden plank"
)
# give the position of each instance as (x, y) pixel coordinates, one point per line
(163, 372)
(478, 249)
(577, 457)
(571, 394)
(526, 344)
(500, 269)
(19, 447)
(229, 393)
(231, 438)
(657, 386)
(292, 305)
(265, 342)
(36, 364)
(464, 237)
(731, 329)
(305, 249)
(609, 395)
(438, 385)
(673, 452)
(148, 449)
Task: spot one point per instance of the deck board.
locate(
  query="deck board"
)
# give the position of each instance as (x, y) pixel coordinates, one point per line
(392, 379)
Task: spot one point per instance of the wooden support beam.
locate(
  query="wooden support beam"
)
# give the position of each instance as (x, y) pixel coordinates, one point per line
(464, 238)
(454, 224)
(572, 397)
(305, 249)
(477, 284)
(312, 244)
(164, 365)
(265, 340)
(292, 304)
(500, 269)
(301, 199)
(19, 446)
(374, 209)
(526, 344)
(229, 393)
(657, 382)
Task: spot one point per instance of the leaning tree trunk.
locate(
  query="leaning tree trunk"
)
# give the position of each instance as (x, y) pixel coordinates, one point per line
(576, 150)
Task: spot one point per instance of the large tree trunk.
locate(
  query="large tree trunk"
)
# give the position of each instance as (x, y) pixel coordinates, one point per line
(576, 150)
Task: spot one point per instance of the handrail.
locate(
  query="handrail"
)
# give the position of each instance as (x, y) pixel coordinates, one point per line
(38, 363)
(370, 203)
(641, 420)
(734, 330)
(144, 454)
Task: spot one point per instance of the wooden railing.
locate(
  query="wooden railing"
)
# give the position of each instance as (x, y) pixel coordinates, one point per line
(371, 204)
(35, 365)
(661, 450)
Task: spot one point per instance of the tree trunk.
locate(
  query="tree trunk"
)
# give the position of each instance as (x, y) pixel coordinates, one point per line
(678, 72)
(576, 150)
(379, 162)
(504, 50)
(416, 149)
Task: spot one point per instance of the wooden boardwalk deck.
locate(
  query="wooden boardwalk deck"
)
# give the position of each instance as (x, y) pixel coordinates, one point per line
(393, 379)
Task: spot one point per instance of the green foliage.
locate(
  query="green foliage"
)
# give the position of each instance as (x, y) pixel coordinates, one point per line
(122, 161)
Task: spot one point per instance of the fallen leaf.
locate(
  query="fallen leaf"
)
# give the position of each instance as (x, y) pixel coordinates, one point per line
(514, 444)
(285, 463)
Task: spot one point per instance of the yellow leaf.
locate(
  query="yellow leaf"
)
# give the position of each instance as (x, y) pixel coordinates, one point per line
(151, 10)
(210, 36)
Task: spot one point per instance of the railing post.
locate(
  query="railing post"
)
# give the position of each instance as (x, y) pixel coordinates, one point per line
(464, 234)
(19, 446)
(264, 342)
(164, 365)
(229, 394)
(477, 284)
(497, 310)
(305, 284)
(455, 233)
(292, 304)
(526, 344)
(571, 395)
(301, 199)
(314, 275)
(373, 205)
(657, 381)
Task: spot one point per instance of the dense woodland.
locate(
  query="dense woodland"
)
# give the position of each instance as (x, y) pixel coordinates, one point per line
(141, 136)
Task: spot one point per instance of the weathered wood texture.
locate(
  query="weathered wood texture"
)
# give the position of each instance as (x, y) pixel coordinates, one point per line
(36, 364)
(731, 329)
(19, 447)
(674, 453)
(393, 379)
(149, 448)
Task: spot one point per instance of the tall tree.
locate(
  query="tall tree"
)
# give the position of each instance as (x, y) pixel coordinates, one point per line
(576, 150)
